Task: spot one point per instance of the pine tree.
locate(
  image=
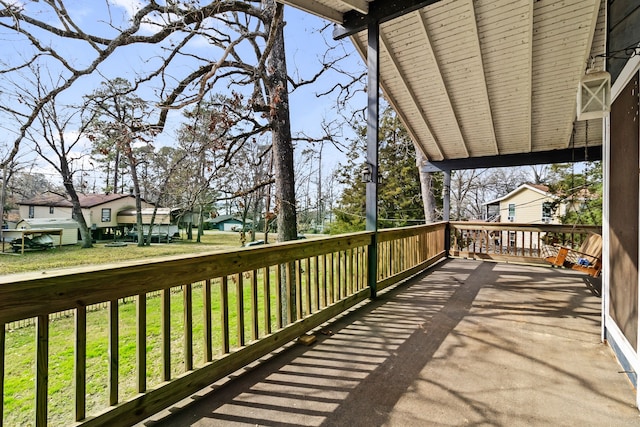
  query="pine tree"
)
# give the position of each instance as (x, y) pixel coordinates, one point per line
(399, 200)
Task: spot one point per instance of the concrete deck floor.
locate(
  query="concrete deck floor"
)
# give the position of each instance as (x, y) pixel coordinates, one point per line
(467, 343)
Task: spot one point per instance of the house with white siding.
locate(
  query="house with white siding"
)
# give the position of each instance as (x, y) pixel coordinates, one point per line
(527, 204)
(100, 211)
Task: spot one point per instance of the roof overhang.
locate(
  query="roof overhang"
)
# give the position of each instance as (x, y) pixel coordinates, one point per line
(481, 79)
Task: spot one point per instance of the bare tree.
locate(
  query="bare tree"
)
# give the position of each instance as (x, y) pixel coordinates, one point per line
(60, 148)
(246, 39)
(159, 48)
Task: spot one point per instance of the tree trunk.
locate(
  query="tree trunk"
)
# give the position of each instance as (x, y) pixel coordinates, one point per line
(85, 232)
(281, 140)
(426, 187)
(282, 152)
(136, 193)
(67, 178)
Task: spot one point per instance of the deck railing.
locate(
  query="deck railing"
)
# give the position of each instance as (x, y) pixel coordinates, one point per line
(506, 242)
(194, 320)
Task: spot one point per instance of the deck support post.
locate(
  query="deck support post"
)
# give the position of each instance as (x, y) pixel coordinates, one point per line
(446, 210)
(373, 111)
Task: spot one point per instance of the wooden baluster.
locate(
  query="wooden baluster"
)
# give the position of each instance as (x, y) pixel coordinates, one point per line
(339, 275)
(298, 278)
(324, 280)
(141, 342)
(351, 275)
(42, 369)
(114, 356)
(292, 292)
(206, 317)
(80, 363)
(187, 310)
(165, 325)
(332, 293)
(279, 320)
(307, 274)
(240, 309)
(266, 286)
(254, 305)
(224, 313)
(316, 279)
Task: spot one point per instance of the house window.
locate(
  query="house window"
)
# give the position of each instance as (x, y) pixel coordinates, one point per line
(32, 211)
(512, 212)
(51, 210)
(106, 214)
(546, 212)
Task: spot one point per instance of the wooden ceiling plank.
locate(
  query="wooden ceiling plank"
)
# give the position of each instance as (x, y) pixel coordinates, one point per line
(360, 47)
(410, 92)
(439, 80)
(485, 90)
(530, 80)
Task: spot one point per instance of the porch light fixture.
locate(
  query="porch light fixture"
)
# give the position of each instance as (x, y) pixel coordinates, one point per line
(594, 95)
(367, 173)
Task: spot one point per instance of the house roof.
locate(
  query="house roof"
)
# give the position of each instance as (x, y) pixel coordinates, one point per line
(543, 190)
(481, 78)
(50, 222)
(86, 200)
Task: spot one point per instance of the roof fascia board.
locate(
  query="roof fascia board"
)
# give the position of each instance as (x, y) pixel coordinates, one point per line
(315, 8)
(518, 190)
(568, 155)
(380, 11)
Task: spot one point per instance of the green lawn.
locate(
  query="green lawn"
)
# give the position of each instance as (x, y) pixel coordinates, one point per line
(20, 354)
(20, 342)
(70, 256)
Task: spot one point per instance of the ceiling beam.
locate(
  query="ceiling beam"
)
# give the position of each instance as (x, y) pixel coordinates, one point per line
(361, 6)
(380, 11)
(523, 159)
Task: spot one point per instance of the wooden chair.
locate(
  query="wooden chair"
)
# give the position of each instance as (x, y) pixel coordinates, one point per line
(587, 259)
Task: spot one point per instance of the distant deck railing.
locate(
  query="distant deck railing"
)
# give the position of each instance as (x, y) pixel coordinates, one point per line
(194, 320)
(511, 242)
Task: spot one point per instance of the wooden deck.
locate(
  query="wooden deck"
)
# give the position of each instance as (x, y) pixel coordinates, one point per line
(467, 343)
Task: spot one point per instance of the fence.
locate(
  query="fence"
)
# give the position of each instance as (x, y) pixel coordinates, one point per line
(514, 242)
(250, 302)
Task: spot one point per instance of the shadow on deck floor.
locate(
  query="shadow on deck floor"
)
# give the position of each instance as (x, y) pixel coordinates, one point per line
(467, 343)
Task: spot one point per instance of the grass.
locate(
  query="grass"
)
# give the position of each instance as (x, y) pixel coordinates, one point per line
(20, 355)
(20, 343)
(74, 255)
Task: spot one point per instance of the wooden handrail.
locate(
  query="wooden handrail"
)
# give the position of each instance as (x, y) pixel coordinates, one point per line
(327, 276)
(528, 243)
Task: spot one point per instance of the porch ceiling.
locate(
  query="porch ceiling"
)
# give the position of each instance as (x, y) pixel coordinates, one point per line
(478, 78)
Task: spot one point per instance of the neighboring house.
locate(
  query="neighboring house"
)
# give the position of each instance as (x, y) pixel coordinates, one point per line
(527, 204)
(100, 211)
(227, 223)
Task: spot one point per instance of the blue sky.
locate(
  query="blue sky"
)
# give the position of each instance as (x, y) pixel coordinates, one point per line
(305, 47)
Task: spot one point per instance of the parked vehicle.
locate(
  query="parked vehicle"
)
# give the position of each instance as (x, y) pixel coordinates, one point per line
(38, 243)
